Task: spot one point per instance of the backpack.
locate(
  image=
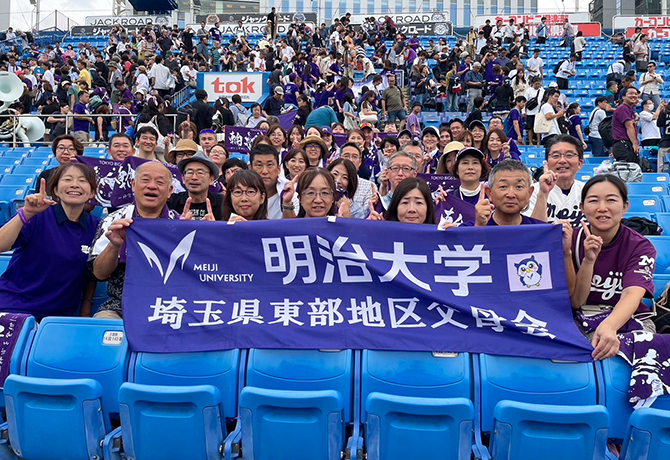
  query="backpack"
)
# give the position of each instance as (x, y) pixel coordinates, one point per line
(627, 172)
(605, 131)
(642, 225)
(455, 84)
(558, 65)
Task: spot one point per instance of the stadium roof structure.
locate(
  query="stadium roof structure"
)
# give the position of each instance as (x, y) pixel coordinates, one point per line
(154, 6)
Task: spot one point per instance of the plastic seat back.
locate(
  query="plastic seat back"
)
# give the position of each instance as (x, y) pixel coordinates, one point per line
(645, 203)
(81, 348)
(656, 177)
(525, 431)
(662, 245)
(216, 368)
(417, 405)
(22, 344)
(648, 436)
(616, 375)
(647, 188)
(18, 179)
(296, 403)
(533, 380)
(160, 422)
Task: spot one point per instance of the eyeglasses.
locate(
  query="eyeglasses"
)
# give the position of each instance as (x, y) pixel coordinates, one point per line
(66, 149)
(567, 156)
(184, 154)
(405, 169)
(207, 131)
(250, 193)
(313, 146)
(311, 195)
(200, 173)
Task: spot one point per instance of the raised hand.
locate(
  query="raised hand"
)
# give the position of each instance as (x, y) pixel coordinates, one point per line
(343, 207)
(375, 197)
(567, 235)
(187, 214)
(116, 233)
(442, 196)
(547, 180)
(592, 244)
(483, 209)
(37, 202)
(209, 217)
(374, 215)
(289, 190)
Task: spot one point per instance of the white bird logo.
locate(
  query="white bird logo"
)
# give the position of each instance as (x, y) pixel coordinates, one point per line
(182, 250)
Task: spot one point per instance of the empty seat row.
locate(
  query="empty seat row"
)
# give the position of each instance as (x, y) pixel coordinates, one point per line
(305, 404)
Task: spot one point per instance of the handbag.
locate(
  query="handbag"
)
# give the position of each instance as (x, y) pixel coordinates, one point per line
(541, 125)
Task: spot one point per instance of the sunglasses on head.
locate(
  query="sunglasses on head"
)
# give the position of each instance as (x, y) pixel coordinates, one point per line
(207, 131)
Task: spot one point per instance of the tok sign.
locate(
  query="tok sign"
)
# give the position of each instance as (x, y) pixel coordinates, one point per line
(249, 85)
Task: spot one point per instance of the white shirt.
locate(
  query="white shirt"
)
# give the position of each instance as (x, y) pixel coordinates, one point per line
(559, 205)
(510, 30)
(533, 66)
(547, 109)
(161, 74)
(49, 77)
(566, 69)
(652, 86)
(596, 117)
(580, 44)
(648, 126)
(275, 211)
(617, 67)
(530, 94)
(142, 82)
(288, 52)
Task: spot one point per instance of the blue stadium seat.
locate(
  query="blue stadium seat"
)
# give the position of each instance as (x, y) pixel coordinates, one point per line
(645, 203)
(417, 405)
(32, 161)
(648, 435)
(656, 177)
(616, 377)
(647, 188)
(21, 347)
(525, 431)
(663, 219)
(18, 179)
(10, 198)
(7, 164)
(662, 245)
(539, 382)
(296, 403)
(191, 396)
(28, 170)
(62, 408)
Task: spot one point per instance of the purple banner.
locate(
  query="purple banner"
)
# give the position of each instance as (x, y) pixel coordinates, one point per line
(348, 284)
(447, 181)
(239, 140)
(10, 327)
(286, 120)
(107, 172)
(454, 210)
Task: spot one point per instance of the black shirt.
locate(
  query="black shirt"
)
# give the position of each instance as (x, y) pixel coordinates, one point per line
(487, 31)
(187, 38)
(663, 122)
(177, 201)
(273, 106)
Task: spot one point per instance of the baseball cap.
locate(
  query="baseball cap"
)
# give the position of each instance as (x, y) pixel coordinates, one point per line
(366, 125)
(327, 130)
(430, 130)
(279, 90)
(469, 151)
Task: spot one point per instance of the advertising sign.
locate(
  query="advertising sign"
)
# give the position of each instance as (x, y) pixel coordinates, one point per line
(624, 22)
(128, 20)
(251, 86)
(658, 32)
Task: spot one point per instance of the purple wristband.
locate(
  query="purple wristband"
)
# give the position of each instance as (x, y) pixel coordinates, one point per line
(22, 216)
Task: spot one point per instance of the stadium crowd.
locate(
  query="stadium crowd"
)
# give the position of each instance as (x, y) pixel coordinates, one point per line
(494, 74)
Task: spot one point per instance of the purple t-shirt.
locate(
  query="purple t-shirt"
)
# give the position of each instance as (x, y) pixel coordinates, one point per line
(626, 261)
(80, 125)
(413, 121)
(622, 114)
(289, 93)
(511, 132)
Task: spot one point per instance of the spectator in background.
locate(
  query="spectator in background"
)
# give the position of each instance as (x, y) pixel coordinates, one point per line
(566, 70)
(82, 118)
(650, 134)
(569, 35)
(663, 122)
(199, 174)
(120, 147)
(203, 111)
(597, 116)
(159, 76)
(624, 128)
(542, 31)
(649, 82)
(642, 52)
(474, 82)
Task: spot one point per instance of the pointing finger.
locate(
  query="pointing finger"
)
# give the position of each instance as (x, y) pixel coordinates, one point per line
(209, 207)
(482, 194)
(587, 232)
(544, 165)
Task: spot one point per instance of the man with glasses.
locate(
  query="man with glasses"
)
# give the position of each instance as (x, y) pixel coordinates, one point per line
(352, 152)
(207, 140)
(120, 146)
(557, 196)
(198, 174)
(401, 166)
